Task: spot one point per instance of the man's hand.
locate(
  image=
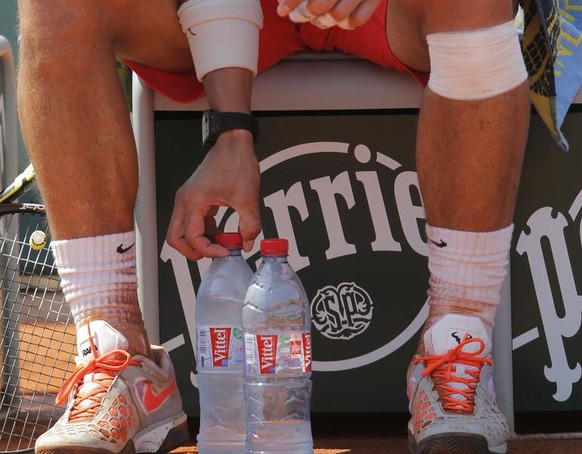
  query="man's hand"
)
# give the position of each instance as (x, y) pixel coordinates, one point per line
(347, 14)
(229, 176)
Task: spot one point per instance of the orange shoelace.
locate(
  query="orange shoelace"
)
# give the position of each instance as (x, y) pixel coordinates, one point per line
(442, 369)
(104, 369)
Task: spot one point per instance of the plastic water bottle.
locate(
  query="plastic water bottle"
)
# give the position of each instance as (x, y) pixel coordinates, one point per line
(220, 350)
(276, 325)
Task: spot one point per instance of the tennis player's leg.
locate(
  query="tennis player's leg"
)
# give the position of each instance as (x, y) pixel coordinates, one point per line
(77, 130)
(471, 139)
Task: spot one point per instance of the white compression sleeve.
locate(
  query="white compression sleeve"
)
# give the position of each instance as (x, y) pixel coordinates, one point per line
(222, 33)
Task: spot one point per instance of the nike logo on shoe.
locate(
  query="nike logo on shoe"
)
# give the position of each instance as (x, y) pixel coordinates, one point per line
(458, 339)
(152, 398)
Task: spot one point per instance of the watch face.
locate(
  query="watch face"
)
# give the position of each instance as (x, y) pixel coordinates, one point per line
(214, 123)
(205, 126)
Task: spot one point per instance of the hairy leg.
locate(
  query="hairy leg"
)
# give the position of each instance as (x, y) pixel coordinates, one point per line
(469, 156)
(78, 134)
(469, 153)
(73, 115)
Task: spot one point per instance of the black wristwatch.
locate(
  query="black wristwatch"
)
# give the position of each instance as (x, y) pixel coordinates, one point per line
(214, 123)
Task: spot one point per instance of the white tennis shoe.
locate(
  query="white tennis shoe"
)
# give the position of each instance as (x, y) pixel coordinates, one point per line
(117, 403)
(451, 392)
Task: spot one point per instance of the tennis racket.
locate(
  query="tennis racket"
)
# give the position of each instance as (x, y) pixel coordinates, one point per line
(37, 334)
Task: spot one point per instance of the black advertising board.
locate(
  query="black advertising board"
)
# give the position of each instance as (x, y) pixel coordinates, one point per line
(333, 185)
(546, 273)
(342, 187)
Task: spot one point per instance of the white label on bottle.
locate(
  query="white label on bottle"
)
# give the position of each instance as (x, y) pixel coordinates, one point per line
(276, 351)
(219, 346)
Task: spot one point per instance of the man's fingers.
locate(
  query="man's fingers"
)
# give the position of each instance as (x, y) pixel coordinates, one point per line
(362, 13)
(199, 232)
(324, 21)
(191, 235)
(249, 227)
(301, 14)
(286, 6)
(175, 235)
(306, 10)
(184, 248)
(346, 14)
(207, 248)
(175, 227)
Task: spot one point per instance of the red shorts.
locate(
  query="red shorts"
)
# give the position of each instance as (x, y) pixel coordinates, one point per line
(279, 38)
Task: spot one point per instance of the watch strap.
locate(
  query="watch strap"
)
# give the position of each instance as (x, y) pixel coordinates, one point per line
(214, 123)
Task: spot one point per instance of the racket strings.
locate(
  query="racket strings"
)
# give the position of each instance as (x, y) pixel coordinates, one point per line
(37, 335)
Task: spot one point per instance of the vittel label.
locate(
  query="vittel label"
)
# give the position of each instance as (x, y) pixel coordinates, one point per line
(220, 343)
(219, 346)
(307, 351)
(267, 353)
(270, 353)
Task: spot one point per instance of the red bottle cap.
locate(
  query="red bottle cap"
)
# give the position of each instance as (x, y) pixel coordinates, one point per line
(230, 240)
(274, 246)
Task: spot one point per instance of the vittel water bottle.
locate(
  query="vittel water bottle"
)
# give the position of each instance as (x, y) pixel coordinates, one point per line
(276, 325)
(220, 351)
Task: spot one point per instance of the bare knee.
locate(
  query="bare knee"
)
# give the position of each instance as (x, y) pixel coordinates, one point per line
(410, 21)
(454, 15)
(58, 34)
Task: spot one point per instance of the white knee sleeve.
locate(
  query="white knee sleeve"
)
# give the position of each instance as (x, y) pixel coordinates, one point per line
(222, 33)
(477, 64)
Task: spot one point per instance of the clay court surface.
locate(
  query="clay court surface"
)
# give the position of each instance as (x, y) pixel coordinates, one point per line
(385, 434)
(381, 445)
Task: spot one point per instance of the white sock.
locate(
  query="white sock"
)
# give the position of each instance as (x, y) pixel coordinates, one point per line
(467, 270)
(99, 281)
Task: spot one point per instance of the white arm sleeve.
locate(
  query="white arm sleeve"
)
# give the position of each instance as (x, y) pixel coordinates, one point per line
(222, 33)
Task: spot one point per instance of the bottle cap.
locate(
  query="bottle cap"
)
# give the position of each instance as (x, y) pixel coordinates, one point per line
(274, 246)
(230, 240)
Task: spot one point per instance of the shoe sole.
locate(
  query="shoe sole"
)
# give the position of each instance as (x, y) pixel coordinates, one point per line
(129, 448)
(452, 443)
(175, 433)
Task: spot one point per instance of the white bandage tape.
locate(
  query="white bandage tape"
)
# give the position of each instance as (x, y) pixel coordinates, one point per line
(222, 33)
(477, 64)
(327, 21)
(301, 15)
